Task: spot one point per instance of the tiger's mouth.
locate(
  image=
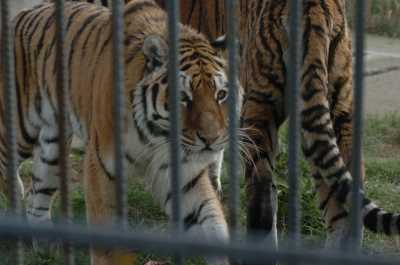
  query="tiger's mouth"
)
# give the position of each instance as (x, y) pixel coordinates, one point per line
(203, 148)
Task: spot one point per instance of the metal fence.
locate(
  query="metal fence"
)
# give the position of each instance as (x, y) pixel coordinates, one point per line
(249, 251)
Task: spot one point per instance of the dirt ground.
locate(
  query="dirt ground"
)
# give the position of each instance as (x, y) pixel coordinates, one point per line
(382, 80)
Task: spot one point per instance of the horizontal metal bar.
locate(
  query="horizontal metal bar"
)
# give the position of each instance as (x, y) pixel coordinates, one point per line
(107, 237)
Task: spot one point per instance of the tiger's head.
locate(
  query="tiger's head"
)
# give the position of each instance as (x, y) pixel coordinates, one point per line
(203, 88)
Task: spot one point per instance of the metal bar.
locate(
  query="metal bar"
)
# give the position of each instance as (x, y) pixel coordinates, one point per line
(356, 222)
(10, 111)
(175, 111)
(104, 237)
(118, 108)
(293, 95)
(234, 197)
(174, 102)
(62, 92)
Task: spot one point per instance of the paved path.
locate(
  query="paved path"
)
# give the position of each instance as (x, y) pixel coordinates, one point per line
(383, 75)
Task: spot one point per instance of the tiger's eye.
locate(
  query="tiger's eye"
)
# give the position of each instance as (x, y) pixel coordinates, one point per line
(221, 95)
(185, 99)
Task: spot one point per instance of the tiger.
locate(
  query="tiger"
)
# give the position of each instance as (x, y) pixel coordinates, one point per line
(206, 16)
(327, 115)
(106, 3)
(88, 49)
(326, 78)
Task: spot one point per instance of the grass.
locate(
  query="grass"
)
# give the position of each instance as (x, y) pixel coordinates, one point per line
(383, 17)
(382, 157)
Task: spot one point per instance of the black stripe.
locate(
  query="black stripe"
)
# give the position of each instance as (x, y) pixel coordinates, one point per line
(331, 162)
(337, 174)
(156, 130)
(343, 191)
(205, 218)
(41, 208)
(192, 218)
(50, 162)
(142, 136)
(51, 140)
(386, 223)
(191, 184)
(316, 112)
(25, 135)
(35, 178)
(34, 214)
(102, 165)
(83, 26)
(46, 191)
(338, 217)
(371, 220)
(138, 7)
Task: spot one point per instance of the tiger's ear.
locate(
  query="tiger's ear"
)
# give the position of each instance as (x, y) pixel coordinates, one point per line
(219, 43)
(155, 52)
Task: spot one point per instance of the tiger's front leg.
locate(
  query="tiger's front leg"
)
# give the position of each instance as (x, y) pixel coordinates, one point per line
(215, 170)
(262, 201)
(201, 211)
(101, 204)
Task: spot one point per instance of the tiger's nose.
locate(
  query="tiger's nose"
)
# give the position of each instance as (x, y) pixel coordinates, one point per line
(208, 128)
(208, 140)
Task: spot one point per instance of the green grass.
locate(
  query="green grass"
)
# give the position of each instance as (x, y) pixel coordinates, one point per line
(383, 17)
(382, 160)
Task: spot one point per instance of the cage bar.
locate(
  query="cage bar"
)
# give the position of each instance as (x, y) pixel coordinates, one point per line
(118, 110)
(251, 251)
(174, 100)
(10, 111)
(233, 150)
(62, 120)
(359, 38)
(293, 96)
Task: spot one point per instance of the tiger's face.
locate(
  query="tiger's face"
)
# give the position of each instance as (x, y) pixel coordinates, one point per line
(203, 90)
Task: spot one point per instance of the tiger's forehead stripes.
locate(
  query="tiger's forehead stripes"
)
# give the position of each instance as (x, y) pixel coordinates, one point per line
(200, 63)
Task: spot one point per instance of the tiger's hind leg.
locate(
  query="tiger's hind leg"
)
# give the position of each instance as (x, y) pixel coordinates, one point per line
(331, 128)
(45, 176)
(341, 102)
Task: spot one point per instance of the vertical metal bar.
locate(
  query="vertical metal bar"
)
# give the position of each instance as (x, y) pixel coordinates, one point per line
(234, 198)
(356, 223)
(175, 111)
(10, 105)
(118, 75)
(62, 92)
(293, 94)
(174, 100)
